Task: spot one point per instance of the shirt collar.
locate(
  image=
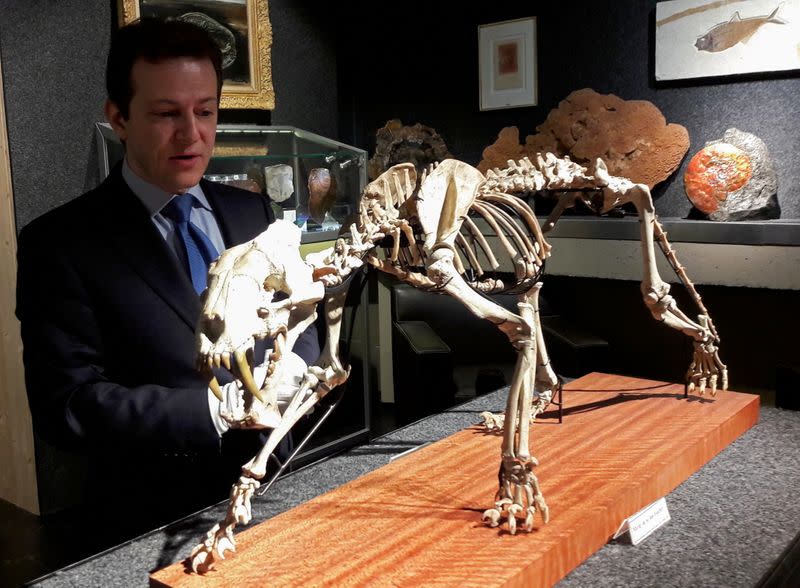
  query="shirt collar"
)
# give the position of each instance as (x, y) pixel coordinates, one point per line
(152, 197)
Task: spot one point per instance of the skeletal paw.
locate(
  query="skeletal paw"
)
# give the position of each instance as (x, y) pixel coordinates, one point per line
(707, 371)
(518, 498)
(220, 538)
(540, 402)
(217, 542)
(493, 422)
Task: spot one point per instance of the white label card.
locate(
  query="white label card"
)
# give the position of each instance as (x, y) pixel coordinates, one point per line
(644, 522)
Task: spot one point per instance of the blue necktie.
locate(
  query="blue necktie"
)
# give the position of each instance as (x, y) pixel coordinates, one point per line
(200, 252)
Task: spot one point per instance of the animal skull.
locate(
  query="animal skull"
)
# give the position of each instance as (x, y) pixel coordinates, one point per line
(258, 290)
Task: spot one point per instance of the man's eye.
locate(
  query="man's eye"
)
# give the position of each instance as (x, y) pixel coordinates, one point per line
(166, 114)
(206, 113)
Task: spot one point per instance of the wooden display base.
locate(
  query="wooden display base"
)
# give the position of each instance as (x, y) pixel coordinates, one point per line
(624, 443)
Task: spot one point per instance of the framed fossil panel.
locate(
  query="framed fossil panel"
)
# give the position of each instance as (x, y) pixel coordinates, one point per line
(244, 33)
(712, 38)
(507, 62)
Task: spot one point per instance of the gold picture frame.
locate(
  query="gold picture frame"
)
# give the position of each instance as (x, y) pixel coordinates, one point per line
(244, 29)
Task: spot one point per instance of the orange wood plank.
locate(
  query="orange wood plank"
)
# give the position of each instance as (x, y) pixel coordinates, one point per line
(624, 443)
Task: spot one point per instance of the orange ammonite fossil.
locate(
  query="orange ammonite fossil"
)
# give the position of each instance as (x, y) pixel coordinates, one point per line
(714, 172)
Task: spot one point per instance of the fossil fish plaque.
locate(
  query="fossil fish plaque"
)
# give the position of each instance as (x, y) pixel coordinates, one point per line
(712, 38)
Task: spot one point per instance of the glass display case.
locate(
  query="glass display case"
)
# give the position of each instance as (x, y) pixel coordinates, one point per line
(312, 181)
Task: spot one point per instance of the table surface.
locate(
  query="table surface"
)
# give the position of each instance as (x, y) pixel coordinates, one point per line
(731, 521)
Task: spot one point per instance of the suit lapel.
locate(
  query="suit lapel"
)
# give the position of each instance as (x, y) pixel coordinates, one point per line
(145, 250)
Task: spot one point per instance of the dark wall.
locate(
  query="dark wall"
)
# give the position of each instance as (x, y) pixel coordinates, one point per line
(758, 328)
(418, 62)
(53, 60)
(304, 58)
(53, 71)
(414, 60)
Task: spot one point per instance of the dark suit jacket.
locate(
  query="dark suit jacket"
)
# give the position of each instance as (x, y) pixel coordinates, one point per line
(108, 319)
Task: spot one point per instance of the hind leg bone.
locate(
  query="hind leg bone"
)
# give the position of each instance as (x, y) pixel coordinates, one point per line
(519, 494)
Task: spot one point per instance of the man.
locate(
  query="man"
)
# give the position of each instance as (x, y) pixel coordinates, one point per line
(108, 289)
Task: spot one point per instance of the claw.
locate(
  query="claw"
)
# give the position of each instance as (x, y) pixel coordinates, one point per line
(199, 559)
(543, 508)
(223, 545)
(492, 517)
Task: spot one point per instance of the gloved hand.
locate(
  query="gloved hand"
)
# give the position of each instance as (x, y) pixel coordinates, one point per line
(231, 409)
(293, 369)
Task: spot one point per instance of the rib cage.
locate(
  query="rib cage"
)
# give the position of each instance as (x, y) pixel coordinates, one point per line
(500, 246)
(517, 242)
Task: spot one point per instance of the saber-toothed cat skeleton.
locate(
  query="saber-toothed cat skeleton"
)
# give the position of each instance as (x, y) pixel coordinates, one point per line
(425, 233)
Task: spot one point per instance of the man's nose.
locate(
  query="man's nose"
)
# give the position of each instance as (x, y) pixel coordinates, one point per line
(187, 128)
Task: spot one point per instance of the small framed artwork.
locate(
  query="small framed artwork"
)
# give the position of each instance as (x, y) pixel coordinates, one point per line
(708, 38)
(243, 31)
(507, 64)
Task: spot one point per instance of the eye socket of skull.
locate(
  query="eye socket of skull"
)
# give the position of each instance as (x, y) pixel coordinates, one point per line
(273, 297)
(279, 295)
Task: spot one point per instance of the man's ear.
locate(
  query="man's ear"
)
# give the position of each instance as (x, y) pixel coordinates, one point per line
(116, 120)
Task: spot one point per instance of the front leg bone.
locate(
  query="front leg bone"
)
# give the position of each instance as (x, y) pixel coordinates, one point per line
(707, 369)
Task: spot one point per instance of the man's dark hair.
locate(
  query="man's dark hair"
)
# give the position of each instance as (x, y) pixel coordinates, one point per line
(154, 40)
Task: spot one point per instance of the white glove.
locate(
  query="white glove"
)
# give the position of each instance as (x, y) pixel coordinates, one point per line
(293, 370)
(214, 406)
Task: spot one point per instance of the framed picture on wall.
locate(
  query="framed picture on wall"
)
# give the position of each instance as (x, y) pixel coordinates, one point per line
(507, 64)
(244, 34)
(707, 38)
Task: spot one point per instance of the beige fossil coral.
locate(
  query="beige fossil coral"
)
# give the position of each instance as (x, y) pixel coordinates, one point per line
(632, 137)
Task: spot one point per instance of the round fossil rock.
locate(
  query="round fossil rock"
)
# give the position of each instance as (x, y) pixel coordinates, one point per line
(713, 173)
(733, 179)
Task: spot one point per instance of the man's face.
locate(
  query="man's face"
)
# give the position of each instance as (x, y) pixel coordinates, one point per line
(170, 131)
